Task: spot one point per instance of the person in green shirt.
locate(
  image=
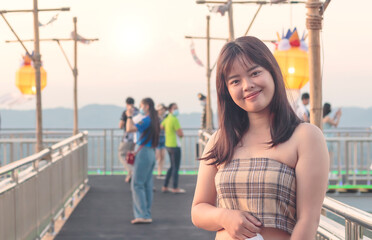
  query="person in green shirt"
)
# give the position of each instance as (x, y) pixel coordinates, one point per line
(172, 129)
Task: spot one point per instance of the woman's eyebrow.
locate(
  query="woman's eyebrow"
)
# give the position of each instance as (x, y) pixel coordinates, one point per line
(237, 75)
(252, 68)
(231, 77)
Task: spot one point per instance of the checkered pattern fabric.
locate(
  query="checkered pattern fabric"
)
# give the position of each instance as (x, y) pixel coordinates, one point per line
(263, 187)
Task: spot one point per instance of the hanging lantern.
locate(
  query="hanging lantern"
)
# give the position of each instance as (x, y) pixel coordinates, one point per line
(291, 55)
(25, 77)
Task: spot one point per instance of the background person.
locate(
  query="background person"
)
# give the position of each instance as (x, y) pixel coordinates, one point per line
(173, 129)
(329, 123)
(203, 102)
(301, 110)
(263, 172)
(160, 150)
(147, 129)
(127, 143)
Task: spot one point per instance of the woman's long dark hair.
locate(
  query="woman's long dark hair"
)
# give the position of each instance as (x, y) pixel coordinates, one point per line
(152, 132)
(233, 120)
(326, 109)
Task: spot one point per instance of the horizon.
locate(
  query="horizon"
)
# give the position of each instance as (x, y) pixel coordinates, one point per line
(142, 53)
(104, 116)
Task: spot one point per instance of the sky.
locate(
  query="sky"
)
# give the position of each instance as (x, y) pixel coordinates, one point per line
(142, 50)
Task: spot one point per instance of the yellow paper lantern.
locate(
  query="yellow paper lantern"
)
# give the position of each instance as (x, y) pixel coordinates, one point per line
(294, 64)
(25, 78)
(291, 55)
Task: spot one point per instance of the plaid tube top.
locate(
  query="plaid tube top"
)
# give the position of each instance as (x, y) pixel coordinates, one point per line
(264, 187)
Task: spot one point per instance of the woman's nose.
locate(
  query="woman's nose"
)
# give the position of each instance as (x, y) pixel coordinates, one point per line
(247, 84)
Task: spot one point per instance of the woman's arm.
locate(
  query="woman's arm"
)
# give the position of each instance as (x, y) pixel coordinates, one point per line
(206, 215)
(312, 180)
(335, 121)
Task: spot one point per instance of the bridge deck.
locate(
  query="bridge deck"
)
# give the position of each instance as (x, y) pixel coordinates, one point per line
(106, 211)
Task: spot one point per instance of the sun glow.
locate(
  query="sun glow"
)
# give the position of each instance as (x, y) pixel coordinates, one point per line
(133, 39)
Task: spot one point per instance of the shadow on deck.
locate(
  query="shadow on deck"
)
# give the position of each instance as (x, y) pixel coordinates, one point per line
(106, 211)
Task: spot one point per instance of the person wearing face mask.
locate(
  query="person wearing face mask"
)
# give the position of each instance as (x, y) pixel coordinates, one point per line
(127, 144)
(172, 129)
(147, 128)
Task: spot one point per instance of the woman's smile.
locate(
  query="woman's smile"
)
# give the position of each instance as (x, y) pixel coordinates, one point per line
(253, 95)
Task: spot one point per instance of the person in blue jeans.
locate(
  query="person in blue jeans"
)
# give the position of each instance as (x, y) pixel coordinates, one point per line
(147, 127)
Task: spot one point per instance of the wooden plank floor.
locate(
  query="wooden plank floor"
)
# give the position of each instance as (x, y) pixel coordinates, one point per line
(106, 211)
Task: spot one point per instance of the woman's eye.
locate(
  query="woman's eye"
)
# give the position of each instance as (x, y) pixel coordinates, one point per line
(234, 82)
(256, 73)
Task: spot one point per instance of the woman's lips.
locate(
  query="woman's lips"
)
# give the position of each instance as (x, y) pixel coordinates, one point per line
(252, 95)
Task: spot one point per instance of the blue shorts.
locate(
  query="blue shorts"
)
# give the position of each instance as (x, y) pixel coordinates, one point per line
(161, 144)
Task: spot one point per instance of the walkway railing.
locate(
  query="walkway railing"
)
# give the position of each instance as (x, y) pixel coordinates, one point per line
(103, 147)
(351, 161)
(350, 150)
(35, 190)
(355, 221)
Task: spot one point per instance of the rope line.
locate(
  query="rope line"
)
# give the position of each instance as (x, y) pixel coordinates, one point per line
(314, 21)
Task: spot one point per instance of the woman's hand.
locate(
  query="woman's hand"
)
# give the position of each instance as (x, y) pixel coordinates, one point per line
(240, 224)
(339, 113)
(129, 111)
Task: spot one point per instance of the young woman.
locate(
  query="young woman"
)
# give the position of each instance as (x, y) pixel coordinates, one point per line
(147, 139)
(328, 123)
(160, 149)
(263, 174)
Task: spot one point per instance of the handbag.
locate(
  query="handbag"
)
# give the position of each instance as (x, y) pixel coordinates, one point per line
(131, 156)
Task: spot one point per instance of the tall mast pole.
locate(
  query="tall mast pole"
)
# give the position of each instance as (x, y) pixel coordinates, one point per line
(314, 25)
(209, 123)
(37, 64)
(75, 72)
(231, 22)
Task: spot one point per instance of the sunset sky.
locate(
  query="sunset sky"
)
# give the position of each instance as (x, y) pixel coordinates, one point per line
(142, 51)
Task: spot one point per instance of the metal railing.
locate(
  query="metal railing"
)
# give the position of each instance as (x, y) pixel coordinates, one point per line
(351, 162)
(35, 190)
(103, 147)
(356, 222)
(350, 151)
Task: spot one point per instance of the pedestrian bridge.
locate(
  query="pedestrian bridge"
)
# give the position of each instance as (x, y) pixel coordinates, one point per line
(39, 191)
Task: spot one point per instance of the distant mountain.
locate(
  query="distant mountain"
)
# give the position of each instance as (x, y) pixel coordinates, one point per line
(356, 117)
(108, 116)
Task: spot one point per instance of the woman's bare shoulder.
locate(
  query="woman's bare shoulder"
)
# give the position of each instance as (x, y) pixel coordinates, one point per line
(307, 130)
(307, 134)
(210, 144)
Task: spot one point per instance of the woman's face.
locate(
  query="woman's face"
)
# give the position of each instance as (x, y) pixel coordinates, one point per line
(250, 86)
(144, 107)
(161, 112)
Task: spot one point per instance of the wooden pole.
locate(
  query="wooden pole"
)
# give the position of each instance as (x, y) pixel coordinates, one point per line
(37, 63)
(75, 72)
(15, 34)
(314, 25)
(209, 123)
(231, 23)
(254, 18)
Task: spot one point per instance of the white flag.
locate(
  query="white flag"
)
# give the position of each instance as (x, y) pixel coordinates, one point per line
(220, 8)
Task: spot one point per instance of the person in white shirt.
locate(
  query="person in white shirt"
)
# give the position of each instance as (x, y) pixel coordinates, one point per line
(301, 110)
